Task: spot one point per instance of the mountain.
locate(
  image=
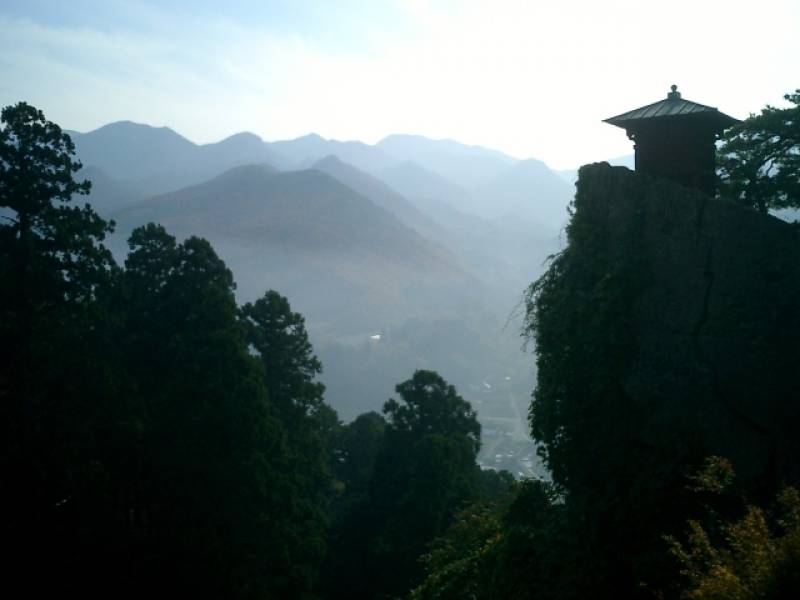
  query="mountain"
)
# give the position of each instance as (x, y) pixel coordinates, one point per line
(346, 263)
(527, 189)
(304, 151)
(439, 198)
(239, 149)
(467, 166)
(144, 160)
(498, 252)
(380, 194)
(130, 151)
(476, 180)
(107, 194)
(361, 240)
(506, 253)
(157, 159)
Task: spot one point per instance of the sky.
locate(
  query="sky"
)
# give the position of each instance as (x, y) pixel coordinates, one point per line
(531, 78)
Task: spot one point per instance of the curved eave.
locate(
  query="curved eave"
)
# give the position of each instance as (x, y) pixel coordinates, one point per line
(628, 121)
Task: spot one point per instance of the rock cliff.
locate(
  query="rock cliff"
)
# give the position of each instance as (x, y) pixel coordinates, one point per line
(713, 313)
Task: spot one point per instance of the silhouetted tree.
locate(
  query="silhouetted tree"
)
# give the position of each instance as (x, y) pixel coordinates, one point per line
(430, 405)
(358, 447)
(289, 370)
(759, 160)
(54, 269)
(424, 474)
(212, 452)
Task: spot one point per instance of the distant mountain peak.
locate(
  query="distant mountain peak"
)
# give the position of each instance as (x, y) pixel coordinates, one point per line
(531, 165)
(132, 126)
(248, 171)
(403, 142)
(330, 159)
(310, 137)
(242, 135)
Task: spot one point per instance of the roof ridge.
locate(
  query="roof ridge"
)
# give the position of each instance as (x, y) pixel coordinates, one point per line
(668, 107)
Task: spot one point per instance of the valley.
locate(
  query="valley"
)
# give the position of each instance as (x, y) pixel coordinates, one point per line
(426, 244)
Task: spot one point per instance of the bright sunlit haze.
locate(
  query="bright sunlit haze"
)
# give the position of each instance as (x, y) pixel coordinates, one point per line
(532, 79)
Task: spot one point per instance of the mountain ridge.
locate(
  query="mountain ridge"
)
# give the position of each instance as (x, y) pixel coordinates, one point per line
(159, 160)
(349, 262)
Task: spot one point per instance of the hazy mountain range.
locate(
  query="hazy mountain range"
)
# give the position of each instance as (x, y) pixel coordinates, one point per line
(477, 214)
(478, 180)
(406, 235)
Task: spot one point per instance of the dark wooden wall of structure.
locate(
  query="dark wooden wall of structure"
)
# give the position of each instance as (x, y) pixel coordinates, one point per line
(681, 149)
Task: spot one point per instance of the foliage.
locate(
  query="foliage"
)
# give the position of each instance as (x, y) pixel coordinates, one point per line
(759, 160)
(426, 471)
(617, 459)
(618, 451)
(358, 447)
(422, 474)
(277, 336)
(209, 444)
(56, 275)
(431, 405)
(458, 561)
(155, 437)
(506, 548)
(755, 556)
(52, 249)
(585, 293)
(716, 476)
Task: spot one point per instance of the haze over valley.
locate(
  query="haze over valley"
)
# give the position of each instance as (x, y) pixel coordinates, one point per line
(405, 254)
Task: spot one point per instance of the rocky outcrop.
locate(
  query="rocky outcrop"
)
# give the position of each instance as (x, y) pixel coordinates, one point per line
(713, 313)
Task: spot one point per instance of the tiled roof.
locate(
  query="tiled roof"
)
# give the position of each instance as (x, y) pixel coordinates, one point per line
(672, 106)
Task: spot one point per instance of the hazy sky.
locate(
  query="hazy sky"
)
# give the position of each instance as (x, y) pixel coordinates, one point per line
(531, 78)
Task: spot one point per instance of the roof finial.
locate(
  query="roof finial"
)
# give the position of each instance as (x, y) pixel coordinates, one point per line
(674, 94)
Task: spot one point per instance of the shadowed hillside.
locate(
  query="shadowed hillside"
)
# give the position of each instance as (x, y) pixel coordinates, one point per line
(351, 265)
(435, 195)
(381, 195)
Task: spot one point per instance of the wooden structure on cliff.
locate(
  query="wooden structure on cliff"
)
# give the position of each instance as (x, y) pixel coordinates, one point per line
(674, 138)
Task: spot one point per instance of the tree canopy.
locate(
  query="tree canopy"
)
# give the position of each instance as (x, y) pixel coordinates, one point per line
(759, 161)
(419, 468)
(56, 275)
(154, 435)
(431, 406)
